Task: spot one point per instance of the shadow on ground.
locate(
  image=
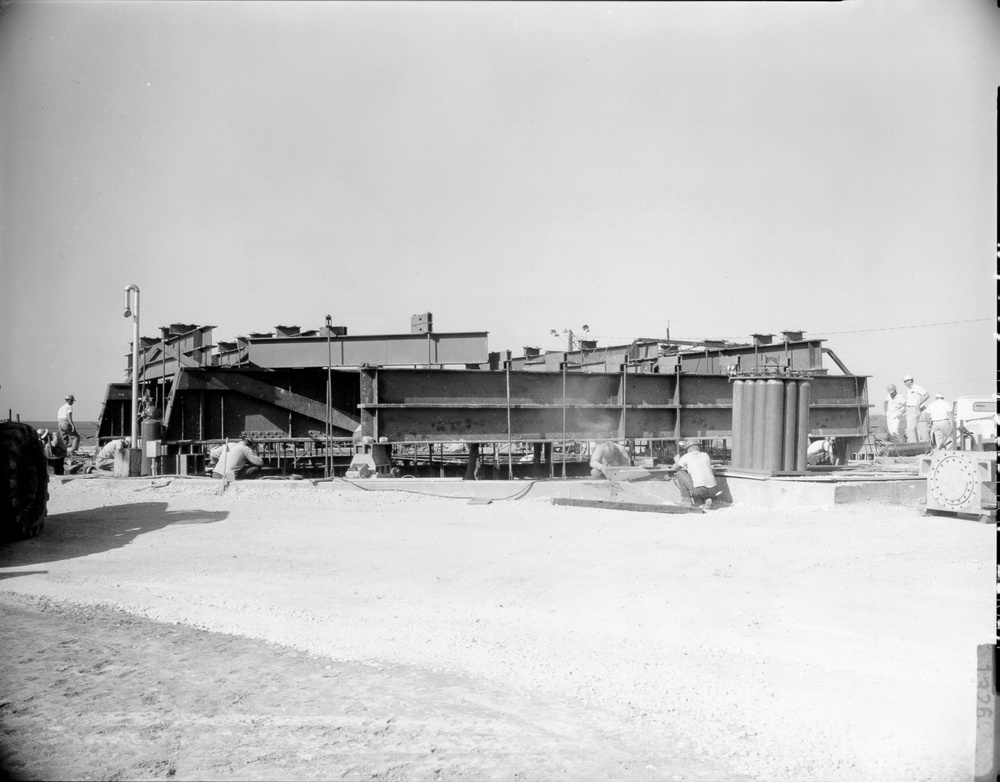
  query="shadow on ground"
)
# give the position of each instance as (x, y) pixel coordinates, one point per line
(81, 533)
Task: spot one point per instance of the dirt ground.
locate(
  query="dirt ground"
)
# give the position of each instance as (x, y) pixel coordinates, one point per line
(168, 630)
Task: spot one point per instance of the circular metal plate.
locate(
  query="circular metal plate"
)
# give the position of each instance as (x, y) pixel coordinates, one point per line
(953, 481)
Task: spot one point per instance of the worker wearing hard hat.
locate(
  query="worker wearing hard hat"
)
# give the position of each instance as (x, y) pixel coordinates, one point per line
(67, 427)
(105, 458)
(894, 407)
(941, 424)
(607, 454)
(694, 476)
(916, 398)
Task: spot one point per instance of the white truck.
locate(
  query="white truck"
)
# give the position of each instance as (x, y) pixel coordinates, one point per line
(975, 419)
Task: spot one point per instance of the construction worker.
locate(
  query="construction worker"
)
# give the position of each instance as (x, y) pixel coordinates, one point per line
(694, 475)
(916, 398)
(105, 458)
(67, 428)
(55, 450)
(820, 451)
(941, 424)
(894, 407)
(238, 458)
(607, 454)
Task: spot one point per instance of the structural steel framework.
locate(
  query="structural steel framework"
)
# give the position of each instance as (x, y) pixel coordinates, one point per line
(320, 386)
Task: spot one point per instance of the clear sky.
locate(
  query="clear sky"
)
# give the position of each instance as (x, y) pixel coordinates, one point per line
(511, 167)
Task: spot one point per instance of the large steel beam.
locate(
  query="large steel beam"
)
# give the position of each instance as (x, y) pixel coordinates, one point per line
(443, 405)
(241, 383)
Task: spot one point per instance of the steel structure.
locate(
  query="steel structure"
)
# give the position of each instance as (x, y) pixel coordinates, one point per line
(314, 390)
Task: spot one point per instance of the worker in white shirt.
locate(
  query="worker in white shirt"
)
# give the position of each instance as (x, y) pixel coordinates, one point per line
(820, 451)
(916, 398)
(894, 407)
(105, 458)
(694, 476)
(941, 424)
(607, 454)
(67, 427)
(238, 458)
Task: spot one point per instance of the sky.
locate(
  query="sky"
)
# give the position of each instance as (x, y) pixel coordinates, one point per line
(720, 169)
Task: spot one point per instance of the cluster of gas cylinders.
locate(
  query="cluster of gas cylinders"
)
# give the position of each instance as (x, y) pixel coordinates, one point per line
(770, 424)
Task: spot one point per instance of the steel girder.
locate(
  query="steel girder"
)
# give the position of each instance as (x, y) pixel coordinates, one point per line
(405, 405)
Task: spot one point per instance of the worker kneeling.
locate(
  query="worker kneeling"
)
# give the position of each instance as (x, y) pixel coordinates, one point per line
(105, 458)
(237, 458)
(694, 476)
(607, 454)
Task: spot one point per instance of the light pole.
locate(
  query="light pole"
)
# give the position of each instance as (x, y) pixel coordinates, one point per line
(569, 336)
(132, 311)
(328, 461)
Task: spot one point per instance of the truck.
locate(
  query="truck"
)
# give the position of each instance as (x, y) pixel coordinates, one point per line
(975, 419)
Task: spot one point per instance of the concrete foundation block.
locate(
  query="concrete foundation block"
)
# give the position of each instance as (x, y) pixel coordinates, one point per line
(128, 463)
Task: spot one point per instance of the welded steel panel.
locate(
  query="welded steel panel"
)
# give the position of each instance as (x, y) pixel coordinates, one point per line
(405, 349)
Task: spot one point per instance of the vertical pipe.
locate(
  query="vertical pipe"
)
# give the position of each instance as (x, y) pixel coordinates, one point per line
(759, 423)
(802, 435)
(624, 395)
(774, 423)
(564, 364)
(749, 396)
(132, 309)
(510, 442)
(791, 415)
(328, 460)
(737, 424)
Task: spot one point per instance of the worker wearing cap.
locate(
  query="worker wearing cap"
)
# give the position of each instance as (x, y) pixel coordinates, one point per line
(55, 450)
(607, 454)
(238, 458)
(916, 398)
(105, 458)
(67, 428)
(941, 423)
(894, 407)
(694, 474)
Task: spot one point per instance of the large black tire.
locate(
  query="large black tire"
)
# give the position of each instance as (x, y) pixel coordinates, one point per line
(24, 482)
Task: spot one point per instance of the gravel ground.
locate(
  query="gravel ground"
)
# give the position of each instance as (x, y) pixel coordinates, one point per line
(836, 644)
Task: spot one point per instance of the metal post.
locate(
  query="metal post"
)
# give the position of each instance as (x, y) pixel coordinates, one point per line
(328, 460)
(510, 443)
(132, 311)
(565, 362)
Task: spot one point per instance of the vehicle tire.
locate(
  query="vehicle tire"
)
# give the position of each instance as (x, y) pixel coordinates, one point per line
(24, 482)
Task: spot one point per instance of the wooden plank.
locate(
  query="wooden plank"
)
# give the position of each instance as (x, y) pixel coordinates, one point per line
(266, 392)
(633, 506)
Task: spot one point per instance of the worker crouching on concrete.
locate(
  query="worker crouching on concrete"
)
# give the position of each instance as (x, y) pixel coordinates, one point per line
(608, 453)
(105, 458)
(820, 452)
(694, 476)
(237, 458)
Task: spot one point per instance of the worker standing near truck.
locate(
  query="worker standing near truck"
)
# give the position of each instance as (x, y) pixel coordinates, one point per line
(941, 424)
(894, 407)
(916, 398)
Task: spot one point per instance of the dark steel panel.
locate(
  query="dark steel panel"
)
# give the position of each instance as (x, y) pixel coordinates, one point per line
(705, 390)
(650, 389)
(465, 348)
